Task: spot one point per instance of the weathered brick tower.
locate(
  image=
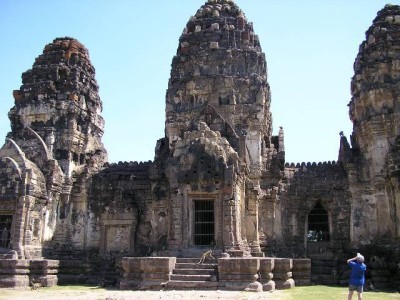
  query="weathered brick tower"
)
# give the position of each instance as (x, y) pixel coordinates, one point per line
(374, 166)
(218, 128)
(218, 180)
(219, 76)
(53, 149)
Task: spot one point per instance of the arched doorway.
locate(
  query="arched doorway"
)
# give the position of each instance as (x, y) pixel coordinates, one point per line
(318, 225)
(317, 231)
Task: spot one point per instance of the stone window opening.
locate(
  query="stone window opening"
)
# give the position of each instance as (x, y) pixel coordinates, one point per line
(204, 227)
(62, 154)
(318, 225)
(5, 231)
(36, 228)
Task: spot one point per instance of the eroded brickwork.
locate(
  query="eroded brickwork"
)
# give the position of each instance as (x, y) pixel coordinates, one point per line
(374, 110)
(52, 151)
(220, 63)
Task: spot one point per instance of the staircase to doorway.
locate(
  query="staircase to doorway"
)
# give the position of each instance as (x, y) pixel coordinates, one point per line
(189, 274)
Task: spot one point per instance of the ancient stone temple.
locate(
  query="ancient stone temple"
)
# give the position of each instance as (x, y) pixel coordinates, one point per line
(218, 179)
(52, 151)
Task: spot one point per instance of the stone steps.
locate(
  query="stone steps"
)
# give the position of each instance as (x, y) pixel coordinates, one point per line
(191, 285)
(193, 271)
(194, 266)
(196, 277)
(189, 274)
(195, 261)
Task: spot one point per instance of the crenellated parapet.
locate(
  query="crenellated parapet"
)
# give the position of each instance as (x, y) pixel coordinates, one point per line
(309, 165)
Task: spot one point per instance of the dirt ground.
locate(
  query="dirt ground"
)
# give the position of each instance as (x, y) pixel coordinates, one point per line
(103, 294)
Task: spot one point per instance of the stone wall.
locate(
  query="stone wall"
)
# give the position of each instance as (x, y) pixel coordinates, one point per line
(20, 273)
(284, 221)
(146, 273)
(126, 212)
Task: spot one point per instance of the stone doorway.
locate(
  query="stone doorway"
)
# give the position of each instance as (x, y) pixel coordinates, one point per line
(204, 226)
(318, 225)
(5, 230)
(318, 233)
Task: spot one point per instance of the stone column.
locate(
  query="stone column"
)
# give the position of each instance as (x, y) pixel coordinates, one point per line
(253, 146)
(231, 208)
(228, 223)
(26, 234)
(266, 274)
(239, 273)
(252, 232)
(21, 217)
(175, 239)
(17, 232)
(302, 271)
(283, 273)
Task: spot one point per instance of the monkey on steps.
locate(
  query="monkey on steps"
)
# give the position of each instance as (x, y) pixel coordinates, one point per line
(35, 284)
(207, 254)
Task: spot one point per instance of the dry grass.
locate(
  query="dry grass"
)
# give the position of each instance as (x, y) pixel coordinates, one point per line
(97, 293)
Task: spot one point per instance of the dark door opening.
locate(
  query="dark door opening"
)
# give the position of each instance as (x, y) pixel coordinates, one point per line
(204, 223)
(318, 225)
(5, 230)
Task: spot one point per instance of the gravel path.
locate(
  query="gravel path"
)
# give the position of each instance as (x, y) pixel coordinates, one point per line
(102, 294)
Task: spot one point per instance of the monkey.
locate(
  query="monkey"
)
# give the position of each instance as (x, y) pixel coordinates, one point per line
(207, 254)
(35, 284)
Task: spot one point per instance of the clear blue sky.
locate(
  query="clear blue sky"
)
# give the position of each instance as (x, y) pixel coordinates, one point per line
(310, 48)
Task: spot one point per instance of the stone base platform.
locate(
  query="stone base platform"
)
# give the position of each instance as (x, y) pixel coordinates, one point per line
(21, 273)
(233, 273)
(159, 273)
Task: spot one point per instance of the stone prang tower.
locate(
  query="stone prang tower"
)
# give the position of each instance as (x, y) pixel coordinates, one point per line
(54, 147)
(374, 165)
(59, 100)
(219, 76)
(218, 128)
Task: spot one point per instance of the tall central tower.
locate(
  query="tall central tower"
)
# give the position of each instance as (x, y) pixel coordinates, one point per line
(219, 72)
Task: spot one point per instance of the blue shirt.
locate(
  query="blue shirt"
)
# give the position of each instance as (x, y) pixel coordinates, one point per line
(357, 276)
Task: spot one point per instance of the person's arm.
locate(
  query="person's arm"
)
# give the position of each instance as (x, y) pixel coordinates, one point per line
(351, 259)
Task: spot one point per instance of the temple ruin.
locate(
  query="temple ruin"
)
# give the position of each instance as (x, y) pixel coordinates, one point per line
(218, 180)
